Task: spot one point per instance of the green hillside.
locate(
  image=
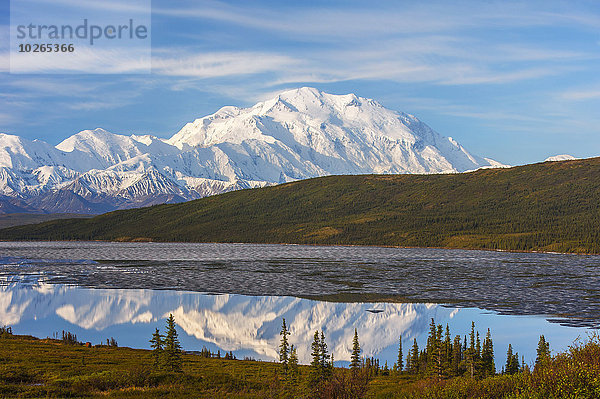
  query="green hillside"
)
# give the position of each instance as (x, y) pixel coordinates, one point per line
(553, 206)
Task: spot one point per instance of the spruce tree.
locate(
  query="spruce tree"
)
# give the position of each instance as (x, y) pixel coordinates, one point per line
(457, 356)
(326, 369)
(440, 358)
(293, 366)
(487, 355)
(172, 347)
(477, 357)
(543, 351)
(512, 361)
(355, 356)
(156, 343)
(448, 351)
(431, 350)
(414, 358)
(470, 352)
(400, 361)
(284, 348)
(324, 356)
(315, 364)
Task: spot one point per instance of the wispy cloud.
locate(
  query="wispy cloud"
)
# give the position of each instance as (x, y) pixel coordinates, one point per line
(327, 22)
(581, 95)
(210, 65)
(130, 6)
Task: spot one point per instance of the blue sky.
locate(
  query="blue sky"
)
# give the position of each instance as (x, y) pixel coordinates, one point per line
(514, 81)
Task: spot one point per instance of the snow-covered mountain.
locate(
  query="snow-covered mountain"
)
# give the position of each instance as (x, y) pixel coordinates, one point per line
(558, 158)
(299, 134)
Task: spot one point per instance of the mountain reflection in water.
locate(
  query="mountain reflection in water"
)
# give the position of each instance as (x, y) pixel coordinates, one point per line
(250, 325)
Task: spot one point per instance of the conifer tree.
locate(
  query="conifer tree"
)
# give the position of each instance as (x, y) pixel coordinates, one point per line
(512, 361)
(487, 355)
(355, 356)
(315, 352)
(324, 356)
(414, 358)
(543, 351)
(448, 351)
(400, 362)
(156, 343)
(457, 356)
(431, 350)
(470, 352)
(477, 357)
(439, 358)
(326, 367)
(293, 365)
(172, 347)
(315, 365)
(284, 348)
(472, 337)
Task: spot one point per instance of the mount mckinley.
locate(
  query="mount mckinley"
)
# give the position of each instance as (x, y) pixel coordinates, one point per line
(299, 134)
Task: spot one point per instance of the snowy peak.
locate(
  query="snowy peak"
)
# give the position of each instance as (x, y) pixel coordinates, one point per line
(19, 153)
(107, 149)
(298, 134)
(335, 134)
(557, 158)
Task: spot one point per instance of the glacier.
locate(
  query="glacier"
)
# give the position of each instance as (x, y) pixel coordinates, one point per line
(299, 134)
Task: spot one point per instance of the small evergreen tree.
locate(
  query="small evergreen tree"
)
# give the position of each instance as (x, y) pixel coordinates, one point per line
(414, 358)
(315, 364)
(326, 367)
(284, 348)
(512, 361)
(293, 366)
(487, 355)
(172, 347)
(355, 356)
(399, 366)
(447, 352)
(543, 351)
(457, 356)
(156, 343)
(470, 357)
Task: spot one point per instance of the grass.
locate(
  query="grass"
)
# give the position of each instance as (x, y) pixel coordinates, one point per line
(542, 207)
(31, 367)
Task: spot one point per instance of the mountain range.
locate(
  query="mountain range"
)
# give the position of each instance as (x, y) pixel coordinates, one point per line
(299, 134)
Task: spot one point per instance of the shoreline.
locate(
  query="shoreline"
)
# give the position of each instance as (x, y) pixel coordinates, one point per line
(142, 240)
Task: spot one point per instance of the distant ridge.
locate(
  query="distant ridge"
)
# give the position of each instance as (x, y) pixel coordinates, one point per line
(550, 206)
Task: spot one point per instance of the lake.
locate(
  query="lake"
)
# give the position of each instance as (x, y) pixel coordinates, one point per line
(232, 297)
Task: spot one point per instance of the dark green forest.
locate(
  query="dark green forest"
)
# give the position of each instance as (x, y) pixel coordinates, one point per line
(552, 206)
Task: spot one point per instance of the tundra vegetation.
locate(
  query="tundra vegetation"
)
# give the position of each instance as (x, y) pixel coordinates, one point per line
(456, 367)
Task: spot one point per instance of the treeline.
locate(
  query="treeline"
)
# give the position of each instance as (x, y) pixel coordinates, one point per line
(544, 207)
(443, 358)
(70, 338)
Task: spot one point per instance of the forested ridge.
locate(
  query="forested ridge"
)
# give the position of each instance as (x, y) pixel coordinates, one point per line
(551, 206)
